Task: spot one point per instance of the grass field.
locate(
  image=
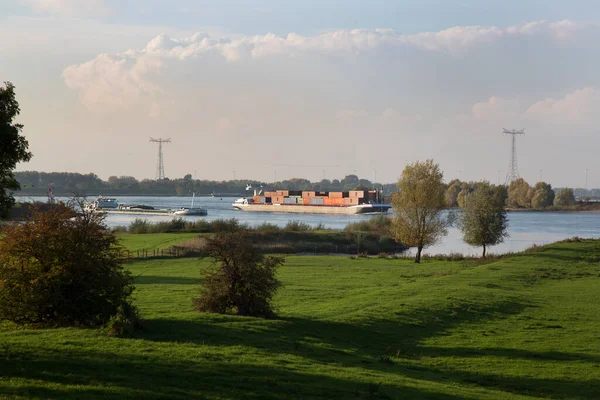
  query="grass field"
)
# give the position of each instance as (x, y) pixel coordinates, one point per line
(523, 327)
(156, 241)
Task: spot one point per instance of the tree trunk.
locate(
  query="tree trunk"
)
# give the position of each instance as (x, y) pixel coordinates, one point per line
(484, 251)
(418, 256)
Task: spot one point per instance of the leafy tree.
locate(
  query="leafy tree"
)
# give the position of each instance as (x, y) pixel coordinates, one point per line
(519, 194)
(461, 198)
(564, 198)
(63, 268)
(418, 207)
(483, 220)
(241, 281)
(13, 147)
(543, 195)
(452, 194)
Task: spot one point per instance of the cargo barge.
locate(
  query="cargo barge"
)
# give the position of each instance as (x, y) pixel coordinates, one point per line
(314, 202)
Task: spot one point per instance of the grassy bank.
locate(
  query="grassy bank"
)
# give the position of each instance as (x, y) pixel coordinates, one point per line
(522, 327)
(185, 237)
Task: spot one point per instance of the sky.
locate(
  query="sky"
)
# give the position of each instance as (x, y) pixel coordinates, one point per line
(272, 89)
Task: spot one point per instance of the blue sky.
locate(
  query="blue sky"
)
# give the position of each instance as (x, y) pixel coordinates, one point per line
(259, 86)
(310, 16)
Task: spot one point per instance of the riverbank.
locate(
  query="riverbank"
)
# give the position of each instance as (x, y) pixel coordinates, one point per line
(521, 327)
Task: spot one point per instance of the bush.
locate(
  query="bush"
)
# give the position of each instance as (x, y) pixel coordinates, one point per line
(139, 226)
(297, 226)
(241, 281)
(61, 268)
(379, 224)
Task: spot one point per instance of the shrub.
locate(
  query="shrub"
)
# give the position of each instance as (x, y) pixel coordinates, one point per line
(61, 268)
(241, 280)
(139, 226)
(297, 226)
(267, 227)
(379, 224)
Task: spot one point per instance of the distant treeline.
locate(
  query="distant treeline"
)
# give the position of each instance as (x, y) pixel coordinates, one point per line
(521, 195)
(68, 183)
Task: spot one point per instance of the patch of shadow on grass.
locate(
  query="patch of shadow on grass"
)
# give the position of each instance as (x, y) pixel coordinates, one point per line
(114, 376)
(521, 385)
(381, 346)
(508, 353)
(165, 280)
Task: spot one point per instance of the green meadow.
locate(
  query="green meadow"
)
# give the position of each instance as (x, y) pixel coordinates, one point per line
(525, 326)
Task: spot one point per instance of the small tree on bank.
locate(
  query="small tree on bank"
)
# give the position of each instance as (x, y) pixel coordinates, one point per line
(418, 207)
(483, 220)
(543, 195)
(61, 268)
(241, 281)
(13, 147)
(564, 198)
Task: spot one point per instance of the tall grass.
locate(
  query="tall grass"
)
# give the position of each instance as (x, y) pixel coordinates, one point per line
(379, 224)
(202, 226)
(180, 225)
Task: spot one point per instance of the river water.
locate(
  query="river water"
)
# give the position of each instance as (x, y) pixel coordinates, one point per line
(525, 228)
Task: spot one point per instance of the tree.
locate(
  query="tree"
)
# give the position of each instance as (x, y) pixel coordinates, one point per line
(241, 280)
(543, 195)
(483, 220)
(564, 198)
(418, 207)
(13, 147)
(519, 194)
(452, 194)
(63, 268)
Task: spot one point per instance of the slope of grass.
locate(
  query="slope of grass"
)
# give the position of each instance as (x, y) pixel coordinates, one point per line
(523, 327)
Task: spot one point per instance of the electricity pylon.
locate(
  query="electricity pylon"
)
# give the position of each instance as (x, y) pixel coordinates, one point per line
(513, 169)
(160, 167)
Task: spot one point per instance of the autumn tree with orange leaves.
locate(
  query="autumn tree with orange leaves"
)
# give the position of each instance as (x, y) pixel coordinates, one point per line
(63, 268)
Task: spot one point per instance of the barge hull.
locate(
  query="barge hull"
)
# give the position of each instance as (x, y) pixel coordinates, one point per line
(315, 209)
(136, 212)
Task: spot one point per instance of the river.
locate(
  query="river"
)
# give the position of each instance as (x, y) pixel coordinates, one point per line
(525, 228)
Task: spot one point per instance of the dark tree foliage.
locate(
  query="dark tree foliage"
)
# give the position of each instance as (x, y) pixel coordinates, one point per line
(13, 147)
(61, 268)
(241, 281)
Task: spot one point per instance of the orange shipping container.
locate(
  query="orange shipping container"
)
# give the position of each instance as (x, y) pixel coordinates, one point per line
(284, 193)
(357, 193)
(333, 201)
(308, 194)
(336, 194)
(306, 201)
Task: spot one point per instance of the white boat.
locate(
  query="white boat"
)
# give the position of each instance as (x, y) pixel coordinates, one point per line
(192, 210)
(102, 203)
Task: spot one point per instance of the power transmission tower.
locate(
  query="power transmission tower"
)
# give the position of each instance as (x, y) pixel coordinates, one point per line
(160, 167)
(513, 169)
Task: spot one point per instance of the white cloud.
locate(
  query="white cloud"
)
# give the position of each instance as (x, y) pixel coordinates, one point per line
(92, 8)
(109, 81)
(123, 78)
(578, 107)
(495, 109)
